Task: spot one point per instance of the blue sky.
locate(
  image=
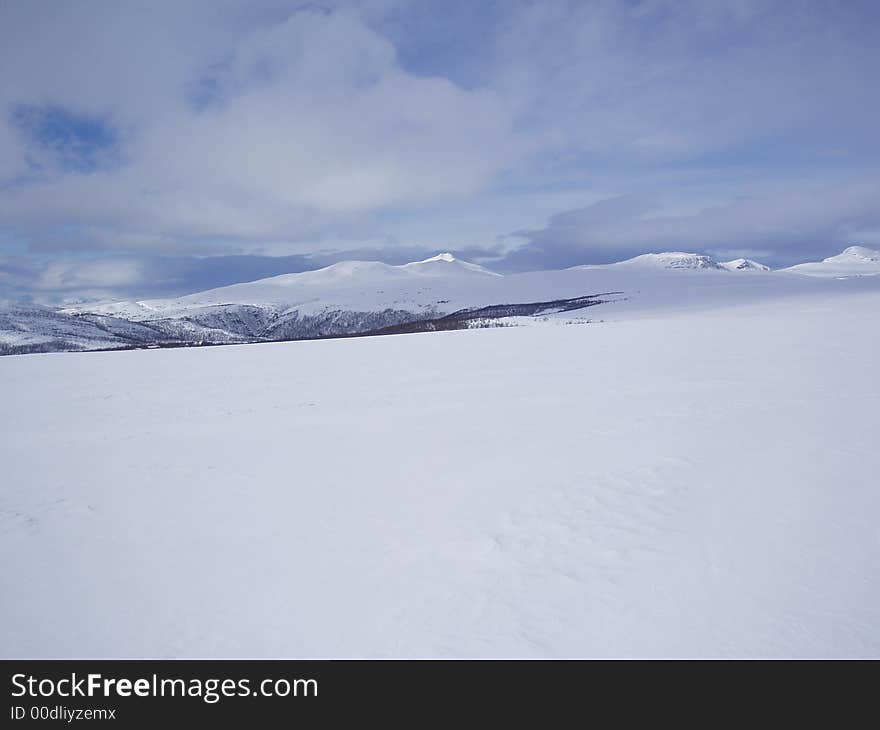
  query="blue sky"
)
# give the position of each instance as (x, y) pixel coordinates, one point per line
(165, 147)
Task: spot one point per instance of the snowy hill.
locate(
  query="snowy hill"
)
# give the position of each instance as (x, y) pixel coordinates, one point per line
(369, 284)
(31, 328)
(675, 260)
(679, 260)
(851, 262)
(744, 265)
(344, 298)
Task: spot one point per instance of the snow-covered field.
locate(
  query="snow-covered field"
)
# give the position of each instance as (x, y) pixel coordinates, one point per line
(678, 481)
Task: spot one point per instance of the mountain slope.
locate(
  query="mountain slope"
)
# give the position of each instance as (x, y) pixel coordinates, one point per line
(32, 328)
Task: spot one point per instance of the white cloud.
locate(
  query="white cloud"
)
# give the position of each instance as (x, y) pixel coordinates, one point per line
(336, 131)
(97, 274)
(311, 124)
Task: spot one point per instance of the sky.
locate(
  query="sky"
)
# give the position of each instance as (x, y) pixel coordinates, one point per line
(152, 149)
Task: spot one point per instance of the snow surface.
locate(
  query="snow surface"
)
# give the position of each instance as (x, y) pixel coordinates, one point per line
(696, 476)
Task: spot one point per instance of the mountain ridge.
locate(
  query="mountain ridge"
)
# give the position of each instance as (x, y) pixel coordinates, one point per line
(352, 297)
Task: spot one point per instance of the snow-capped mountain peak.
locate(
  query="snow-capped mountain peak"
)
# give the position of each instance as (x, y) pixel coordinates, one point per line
(445, 264)
(744, 265)
(447, 257)
(678, 260)
(857, 252)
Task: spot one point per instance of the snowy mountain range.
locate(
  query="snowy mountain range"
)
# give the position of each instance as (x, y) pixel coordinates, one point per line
(441, 292)
(680, 260)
